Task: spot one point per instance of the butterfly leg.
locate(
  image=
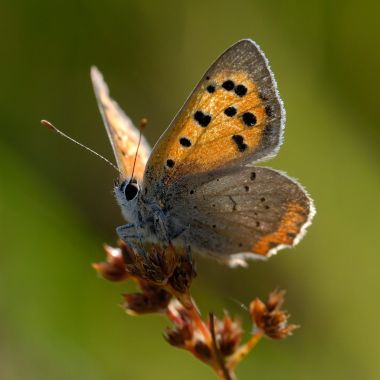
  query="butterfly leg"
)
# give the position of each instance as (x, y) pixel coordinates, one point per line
(131, 236)
(127, 231)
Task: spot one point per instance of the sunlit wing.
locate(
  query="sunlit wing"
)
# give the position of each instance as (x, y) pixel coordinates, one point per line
(233, 117)
(122, 133)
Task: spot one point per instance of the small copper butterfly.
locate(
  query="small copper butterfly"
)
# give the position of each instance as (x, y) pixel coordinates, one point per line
(198, 187)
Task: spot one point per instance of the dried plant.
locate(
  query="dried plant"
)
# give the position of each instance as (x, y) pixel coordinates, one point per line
(164, 277)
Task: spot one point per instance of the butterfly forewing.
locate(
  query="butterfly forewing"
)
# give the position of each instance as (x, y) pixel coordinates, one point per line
(122, 133)
(234, 116)
(255, 211)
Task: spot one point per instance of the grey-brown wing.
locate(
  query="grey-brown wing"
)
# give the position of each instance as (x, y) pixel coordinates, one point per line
(234, 215)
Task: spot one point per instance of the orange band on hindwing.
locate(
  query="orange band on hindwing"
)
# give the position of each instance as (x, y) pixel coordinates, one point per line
(288, 229)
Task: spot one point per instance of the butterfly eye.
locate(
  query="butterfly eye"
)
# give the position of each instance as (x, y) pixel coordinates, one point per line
(130, 191)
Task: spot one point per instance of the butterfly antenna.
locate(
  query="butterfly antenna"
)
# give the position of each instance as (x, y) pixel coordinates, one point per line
(143, 123)
(50, 126)
(240, 304)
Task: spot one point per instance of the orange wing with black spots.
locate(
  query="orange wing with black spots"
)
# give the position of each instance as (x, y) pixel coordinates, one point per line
(123, 135)
(233, 117)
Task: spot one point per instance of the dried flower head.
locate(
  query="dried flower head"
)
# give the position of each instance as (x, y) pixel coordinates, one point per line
(183, 273)
(181, 334)
(114, 267)
(228, 334)
(157, 265)
(152, 299)
(270, 318)
(163, 266)
(164, 276)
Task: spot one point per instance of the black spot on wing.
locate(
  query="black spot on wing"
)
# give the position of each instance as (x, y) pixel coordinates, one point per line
(202, 119)
(228, 85)
(170, 163)
(253, 176)
(230, 111)
(240, 90)
(249, 119)
(239, 141)
(210, 88)
(184, 141)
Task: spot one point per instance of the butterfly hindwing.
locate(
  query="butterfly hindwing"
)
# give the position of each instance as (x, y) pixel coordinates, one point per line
(239, 214)
(122, 133)
(234, 116)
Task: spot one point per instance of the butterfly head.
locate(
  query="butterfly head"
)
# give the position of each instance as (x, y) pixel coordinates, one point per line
(126, 192)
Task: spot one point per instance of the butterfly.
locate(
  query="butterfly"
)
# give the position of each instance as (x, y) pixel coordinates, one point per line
(198, 187)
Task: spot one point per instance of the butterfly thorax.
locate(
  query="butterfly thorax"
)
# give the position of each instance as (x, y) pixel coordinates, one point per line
(146, 220)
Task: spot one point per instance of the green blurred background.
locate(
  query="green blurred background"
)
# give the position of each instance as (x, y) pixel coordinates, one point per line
(58, 320)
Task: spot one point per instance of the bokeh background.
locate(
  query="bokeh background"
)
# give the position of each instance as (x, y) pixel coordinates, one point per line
(58, 320)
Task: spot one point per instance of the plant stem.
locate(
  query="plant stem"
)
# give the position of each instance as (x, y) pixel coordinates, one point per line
(244, 350)
(200, 324)
(226, 374)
